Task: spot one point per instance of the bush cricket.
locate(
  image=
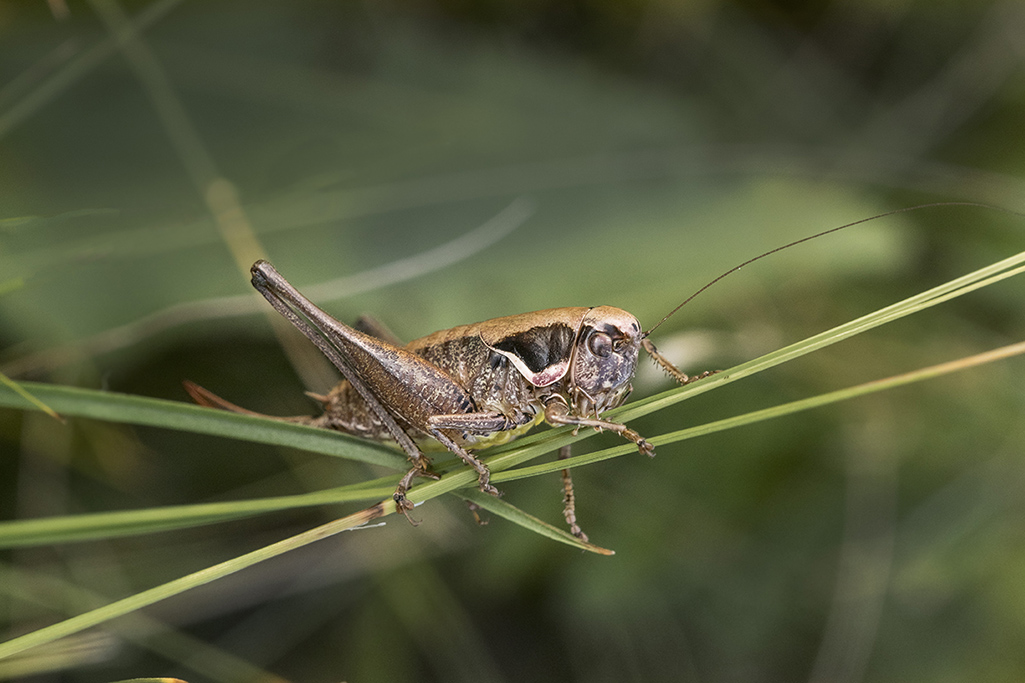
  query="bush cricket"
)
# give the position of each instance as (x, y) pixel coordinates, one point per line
(476, 385)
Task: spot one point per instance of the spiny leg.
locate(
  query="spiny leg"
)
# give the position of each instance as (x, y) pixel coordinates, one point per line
(569, 501)
(557, 413)
(483, 473)
(403, 504)
(673, 371)
(474, 423)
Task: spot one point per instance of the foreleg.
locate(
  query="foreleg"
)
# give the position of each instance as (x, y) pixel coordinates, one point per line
(558, 413)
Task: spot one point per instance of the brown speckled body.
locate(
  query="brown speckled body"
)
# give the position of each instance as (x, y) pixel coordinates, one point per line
(492, 381)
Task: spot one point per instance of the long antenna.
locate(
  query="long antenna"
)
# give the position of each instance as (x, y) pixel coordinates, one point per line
(734, 269)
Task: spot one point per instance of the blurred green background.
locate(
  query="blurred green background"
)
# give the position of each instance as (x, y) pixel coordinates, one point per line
(631, 151)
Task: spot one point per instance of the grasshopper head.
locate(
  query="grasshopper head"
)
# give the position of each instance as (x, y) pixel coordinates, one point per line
(604, 358)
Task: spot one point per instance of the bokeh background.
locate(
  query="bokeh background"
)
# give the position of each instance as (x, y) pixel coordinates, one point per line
(630, 152)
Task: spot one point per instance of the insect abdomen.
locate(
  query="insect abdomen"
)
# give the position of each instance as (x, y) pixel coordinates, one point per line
(346, 411)
(492, 382)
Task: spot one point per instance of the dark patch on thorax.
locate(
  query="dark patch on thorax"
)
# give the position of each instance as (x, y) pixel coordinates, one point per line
(540, 347)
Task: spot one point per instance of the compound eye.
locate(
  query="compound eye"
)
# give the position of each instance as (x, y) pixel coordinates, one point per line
(600, 344)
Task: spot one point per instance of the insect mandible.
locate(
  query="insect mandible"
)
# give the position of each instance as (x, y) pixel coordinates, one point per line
(476, 385)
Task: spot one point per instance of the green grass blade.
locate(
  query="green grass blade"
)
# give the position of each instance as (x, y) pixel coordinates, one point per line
(150, 596)
(101, 525)
(510, 512)
(152, 412)
(57, 593)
